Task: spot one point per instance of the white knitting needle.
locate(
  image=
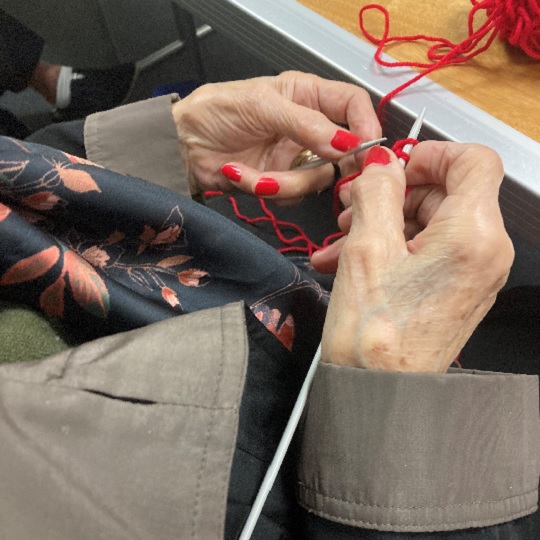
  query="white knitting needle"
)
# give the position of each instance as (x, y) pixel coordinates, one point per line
(413, 134)
(286, 438)
(298, 408)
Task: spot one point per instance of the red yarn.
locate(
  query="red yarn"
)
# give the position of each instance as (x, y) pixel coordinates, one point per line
(301, 242)
(398, 148)
(516, 21)
(337, 188)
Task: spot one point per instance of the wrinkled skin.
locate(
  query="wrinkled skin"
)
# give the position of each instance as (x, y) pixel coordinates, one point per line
(409, 301)
(260, 125)
(415, 276)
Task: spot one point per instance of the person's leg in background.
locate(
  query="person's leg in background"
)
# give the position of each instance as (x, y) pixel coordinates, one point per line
(20, 52)
(75, 93)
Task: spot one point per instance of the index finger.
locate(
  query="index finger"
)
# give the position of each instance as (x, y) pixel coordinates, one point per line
(341, 102)
(377, 202)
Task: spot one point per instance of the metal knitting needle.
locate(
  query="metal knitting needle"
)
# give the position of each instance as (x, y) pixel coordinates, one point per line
(413, 134)
(321, 161)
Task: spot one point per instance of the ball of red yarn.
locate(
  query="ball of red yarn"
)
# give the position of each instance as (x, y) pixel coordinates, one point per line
(518, 22)
(515, 21)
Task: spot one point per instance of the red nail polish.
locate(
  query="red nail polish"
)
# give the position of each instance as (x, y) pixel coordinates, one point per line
(345, 141)
(231, 172)
(378, 156)
(266, 186)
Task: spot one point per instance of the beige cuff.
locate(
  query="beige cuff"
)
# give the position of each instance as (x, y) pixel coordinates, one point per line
(420, 452)
(139, 140)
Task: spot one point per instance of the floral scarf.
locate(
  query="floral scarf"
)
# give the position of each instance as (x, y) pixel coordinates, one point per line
(105, 252)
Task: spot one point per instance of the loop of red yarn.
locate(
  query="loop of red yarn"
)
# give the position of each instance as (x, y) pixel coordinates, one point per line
(398, 148)
(337, 187)
(516, 21)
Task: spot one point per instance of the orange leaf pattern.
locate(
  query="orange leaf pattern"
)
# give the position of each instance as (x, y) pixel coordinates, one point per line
(167, 236)
(96, 256)
(147, 235)
(81, 161)
(81, 242)
(271, 318)
(31, 267)
(115, 237)
(51, 300)
(4, 211)
(174, 261)
(191, 277)
(76, 180)
(170, 296)
(89, 290)
(42, 200)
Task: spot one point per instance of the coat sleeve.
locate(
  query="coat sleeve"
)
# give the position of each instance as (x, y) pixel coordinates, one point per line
(127, 437)
(419, 452)
(139, 139)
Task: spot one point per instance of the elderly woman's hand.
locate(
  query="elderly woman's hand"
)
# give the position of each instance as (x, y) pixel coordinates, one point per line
(245, 134)
(410, 305)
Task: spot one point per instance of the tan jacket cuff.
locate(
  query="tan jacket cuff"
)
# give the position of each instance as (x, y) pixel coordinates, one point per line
(139, 140)
(129, 436)
(420, 452)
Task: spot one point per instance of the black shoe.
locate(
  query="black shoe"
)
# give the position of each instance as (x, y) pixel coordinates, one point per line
(86, 91)
(11, 126)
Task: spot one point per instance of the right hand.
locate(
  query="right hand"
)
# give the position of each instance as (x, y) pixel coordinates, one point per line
(411, 305)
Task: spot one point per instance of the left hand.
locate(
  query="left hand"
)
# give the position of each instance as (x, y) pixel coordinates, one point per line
(256, 128)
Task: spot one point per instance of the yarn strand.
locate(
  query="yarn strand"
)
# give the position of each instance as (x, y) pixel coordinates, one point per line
(301, 242)
(516, 21)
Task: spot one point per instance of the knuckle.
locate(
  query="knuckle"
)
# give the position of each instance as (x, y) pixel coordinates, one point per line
(361, 93)
(505, 255)
(484, 160)
(363, 250)
(287, 80)
(295, 190)
(491, 253)
(473, 254)
(290, 73)
(371, 181)
(483, 154)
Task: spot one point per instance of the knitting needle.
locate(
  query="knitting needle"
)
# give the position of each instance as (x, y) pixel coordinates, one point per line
(321, 161)
(301, 400)
(413, 134)
(284, 443)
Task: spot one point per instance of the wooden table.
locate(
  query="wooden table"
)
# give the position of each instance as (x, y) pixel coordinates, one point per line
(502, 81)
(324, 39)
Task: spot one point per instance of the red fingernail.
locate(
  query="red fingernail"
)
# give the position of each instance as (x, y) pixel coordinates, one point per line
(345, 141)
(378, 156)
(266, 186)
(231, 172)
